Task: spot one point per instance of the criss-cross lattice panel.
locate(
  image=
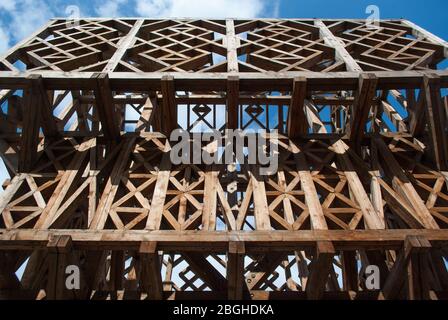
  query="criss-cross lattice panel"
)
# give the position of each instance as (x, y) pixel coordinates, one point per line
(390, 45)
(431, 185)
(280, 45)
(84, 45)
(263, 116)
(42, 198)
(177, 45)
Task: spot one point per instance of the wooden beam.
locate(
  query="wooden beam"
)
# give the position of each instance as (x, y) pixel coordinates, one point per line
(320, 270)
(59, 249)
(261, 211)
(102, 212)
(231, 41)
(105, 105)
(372, 218)
(158, 198)
(192, 240)
(361, 107)
(404, 187)
(169, 107)
(421, 33)
(317, 217)
(45, 107)
(210, 200)
(125, 43)
(235, 270)
(296, 121)
(116, 273)
(436, 118)
(341, 53)
(30, 132)
(398, 273)
(147, 116)
(151, 273)
(205, 270)
(349, 271)
(233, 92)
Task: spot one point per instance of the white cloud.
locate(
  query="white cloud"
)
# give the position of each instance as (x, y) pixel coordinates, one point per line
(4, 40)
(26, 16)
(8, 4)
(111, 8)
(204, 8)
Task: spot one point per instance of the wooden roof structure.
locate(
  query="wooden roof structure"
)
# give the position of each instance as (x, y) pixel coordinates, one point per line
(361, 112)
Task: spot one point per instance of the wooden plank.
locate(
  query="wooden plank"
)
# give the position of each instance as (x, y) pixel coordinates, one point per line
(398, 273)
(30, 132)
(435, 117)
(361, 107)
(125, 43)
(106, 201)
(59, 249)
(256, 241)
(159, 196)
(372, 218)
(169, 107)
(404, 187)
(421, 33)
(106, 107)
(50, 213)
(148, 109)
(261, 211)
(210, 200)
(320, 270)
(235, 270)
(349, 271)
(151, 277)
(296, 121)
(205, 270)
(317, 216)
(233, 92)
(341, 53)
(45, 107)
(116, 276)
(231, 42)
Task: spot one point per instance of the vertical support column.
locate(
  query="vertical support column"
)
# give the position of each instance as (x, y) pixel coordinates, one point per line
(151, 277)
(361, 108)
(235, 270)
(31, 126)
(320, 269)
(297, 123)
(169, 107)
(59, 249)
(233, 91)
(106, 108)
(116, 271)
(403, 272)
(435, 115)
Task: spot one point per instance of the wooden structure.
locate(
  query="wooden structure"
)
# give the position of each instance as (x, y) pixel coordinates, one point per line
(362, 180)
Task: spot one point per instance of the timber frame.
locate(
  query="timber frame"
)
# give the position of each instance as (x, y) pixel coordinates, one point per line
(361, 112)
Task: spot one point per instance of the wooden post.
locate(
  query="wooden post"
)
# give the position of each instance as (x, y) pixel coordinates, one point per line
(151, 277)
(235, 270)
(59, 249)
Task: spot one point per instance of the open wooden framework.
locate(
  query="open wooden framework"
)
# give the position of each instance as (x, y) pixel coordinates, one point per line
(361, 112)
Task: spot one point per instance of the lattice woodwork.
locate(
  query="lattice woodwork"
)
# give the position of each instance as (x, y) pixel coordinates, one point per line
(361, 115)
